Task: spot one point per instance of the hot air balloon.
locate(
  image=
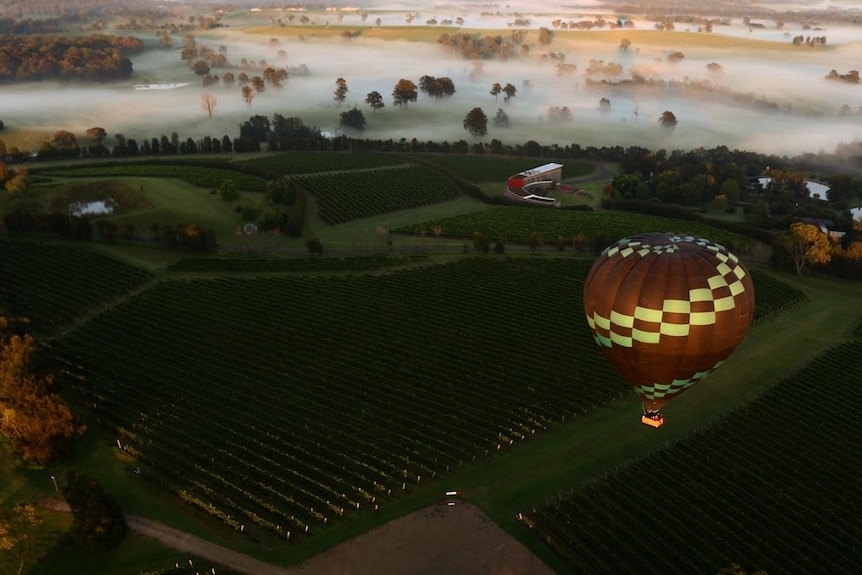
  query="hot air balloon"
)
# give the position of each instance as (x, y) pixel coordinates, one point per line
(666, 310)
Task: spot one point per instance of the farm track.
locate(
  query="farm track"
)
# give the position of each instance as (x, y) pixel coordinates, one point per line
(188, 543)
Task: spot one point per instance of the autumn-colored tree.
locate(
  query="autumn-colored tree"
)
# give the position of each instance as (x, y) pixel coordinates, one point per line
(805, 244)
(20, 533)
(496, 90)
(201, 68)
(209, 103)
(258, 83)
(510, 90)
(668, 119)
(404, 93)
(248, 95)
(35, 419)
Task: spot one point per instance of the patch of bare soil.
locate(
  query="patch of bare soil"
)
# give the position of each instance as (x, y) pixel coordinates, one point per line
(456, 540)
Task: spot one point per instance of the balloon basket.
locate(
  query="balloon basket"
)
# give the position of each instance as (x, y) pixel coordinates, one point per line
(652, 422)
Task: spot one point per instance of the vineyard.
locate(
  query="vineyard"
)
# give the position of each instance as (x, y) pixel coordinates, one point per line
(435, 366)
(277, 264)
(580, 229)
(774, 296)
(32, 273)
(346, 196)
(767, 487)
(424, 379)
(202, 176)
(294, 163)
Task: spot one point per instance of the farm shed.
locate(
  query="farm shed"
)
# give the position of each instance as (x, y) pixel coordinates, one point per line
(546, 173)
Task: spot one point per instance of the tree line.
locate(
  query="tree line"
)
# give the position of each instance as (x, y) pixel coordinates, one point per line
(96, 57)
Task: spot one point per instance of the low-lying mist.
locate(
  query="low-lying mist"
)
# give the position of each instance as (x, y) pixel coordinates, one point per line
(768, 97)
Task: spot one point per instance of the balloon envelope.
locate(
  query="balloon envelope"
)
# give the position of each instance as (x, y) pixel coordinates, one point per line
(667, 310)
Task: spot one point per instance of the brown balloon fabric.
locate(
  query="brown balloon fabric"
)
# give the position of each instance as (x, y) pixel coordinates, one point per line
(666, 310)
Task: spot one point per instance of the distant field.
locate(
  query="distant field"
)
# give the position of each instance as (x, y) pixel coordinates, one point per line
(24, 139)
(562, 38)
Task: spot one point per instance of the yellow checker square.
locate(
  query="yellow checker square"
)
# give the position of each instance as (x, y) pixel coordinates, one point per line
(723, 269)
(647, 314)
(642, 336)
(622, 340)
(736, 288)
(676, 306)
(674, 329)
(621, 319)
(700, 294)
(716, 282)
(626, 252)
(725, 303)
(602, 322)
(702, 318)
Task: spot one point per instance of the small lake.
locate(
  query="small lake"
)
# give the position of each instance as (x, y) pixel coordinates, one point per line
(97, 207)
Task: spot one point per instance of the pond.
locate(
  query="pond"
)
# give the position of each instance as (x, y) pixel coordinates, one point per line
(90, 208)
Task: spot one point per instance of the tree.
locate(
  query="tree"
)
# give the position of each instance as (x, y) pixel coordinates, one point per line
(437, 88)
(496, 90)
(375, 100)
(229, 190)
(501, 120)
(476, 122)
(36, 420)
(805, 244)
(353, 119)
(248, 95)
(20, 534)
(625, 44)
(840, 188)
(97, 521)
(340, 91)
(201, 68)
(668, 119)
(510, 90)
(404, 93)
(208, 103)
